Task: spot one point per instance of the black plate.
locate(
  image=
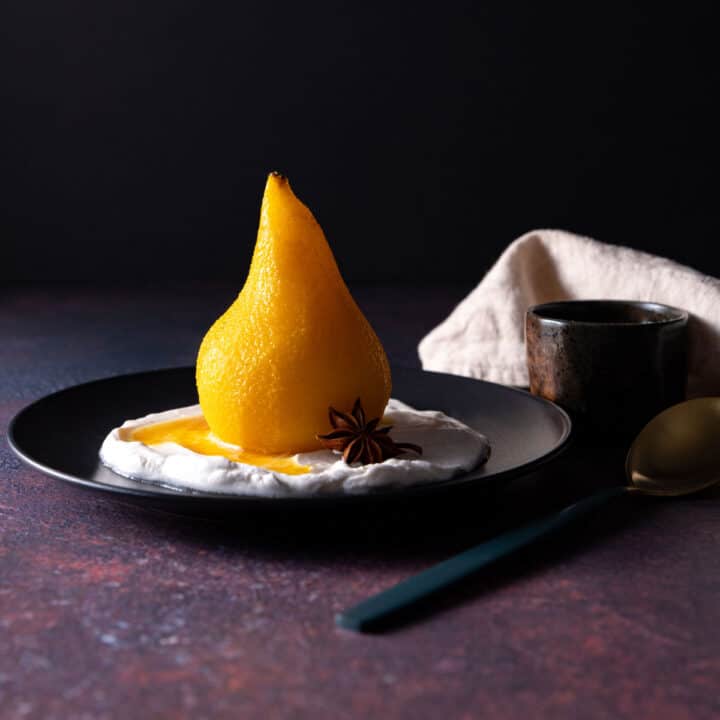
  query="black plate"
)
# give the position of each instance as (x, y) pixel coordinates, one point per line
(61, 434)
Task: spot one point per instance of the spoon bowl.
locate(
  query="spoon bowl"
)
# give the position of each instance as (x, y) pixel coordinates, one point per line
(678, 451)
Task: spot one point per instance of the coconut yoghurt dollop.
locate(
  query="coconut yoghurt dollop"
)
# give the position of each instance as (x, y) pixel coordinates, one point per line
(450, 448)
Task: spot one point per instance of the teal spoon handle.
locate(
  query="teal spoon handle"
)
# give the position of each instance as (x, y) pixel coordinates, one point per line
(362, 616)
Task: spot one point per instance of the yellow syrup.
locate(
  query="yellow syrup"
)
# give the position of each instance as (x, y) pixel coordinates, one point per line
(193, 433)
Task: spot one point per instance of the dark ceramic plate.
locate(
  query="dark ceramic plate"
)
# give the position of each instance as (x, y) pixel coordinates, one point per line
(61, 434)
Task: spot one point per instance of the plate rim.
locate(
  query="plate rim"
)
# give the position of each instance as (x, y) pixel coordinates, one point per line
(223, 498)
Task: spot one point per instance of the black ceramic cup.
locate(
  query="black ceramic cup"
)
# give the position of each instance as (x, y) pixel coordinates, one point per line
(612, 364)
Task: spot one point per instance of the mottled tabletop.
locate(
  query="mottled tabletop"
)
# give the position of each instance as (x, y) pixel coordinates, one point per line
(113, 611)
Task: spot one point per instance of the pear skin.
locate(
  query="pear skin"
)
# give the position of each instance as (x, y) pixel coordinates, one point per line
(292, 344)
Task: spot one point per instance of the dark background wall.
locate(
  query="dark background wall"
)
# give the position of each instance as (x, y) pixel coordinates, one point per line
(135, 136)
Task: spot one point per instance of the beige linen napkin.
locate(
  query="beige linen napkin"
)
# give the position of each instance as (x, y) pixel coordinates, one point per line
(484, 335)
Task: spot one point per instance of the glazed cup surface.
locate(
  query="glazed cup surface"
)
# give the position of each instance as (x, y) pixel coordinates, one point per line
(612, 364)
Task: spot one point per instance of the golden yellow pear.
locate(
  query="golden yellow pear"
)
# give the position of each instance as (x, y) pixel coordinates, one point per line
(293, 343)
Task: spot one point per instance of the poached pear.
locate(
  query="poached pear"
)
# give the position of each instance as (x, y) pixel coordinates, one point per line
(292, 344)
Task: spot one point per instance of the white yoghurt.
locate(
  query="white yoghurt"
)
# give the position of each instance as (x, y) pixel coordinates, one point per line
(449, 448)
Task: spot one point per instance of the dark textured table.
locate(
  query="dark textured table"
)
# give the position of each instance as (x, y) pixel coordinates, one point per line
(110, 611)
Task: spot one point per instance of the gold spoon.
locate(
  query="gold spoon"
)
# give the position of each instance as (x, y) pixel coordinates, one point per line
(676, 453)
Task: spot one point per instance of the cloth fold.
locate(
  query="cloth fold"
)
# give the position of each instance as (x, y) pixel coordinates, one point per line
(483, 337)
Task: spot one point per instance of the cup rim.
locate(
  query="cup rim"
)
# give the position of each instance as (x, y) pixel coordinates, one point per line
(679, 314)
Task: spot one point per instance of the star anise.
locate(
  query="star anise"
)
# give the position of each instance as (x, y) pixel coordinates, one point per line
(361, 441)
